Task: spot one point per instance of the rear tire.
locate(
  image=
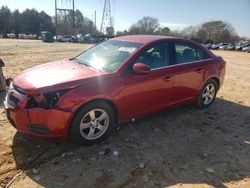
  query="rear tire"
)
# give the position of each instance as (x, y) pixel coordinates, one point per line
(92, 123)
(207, 94)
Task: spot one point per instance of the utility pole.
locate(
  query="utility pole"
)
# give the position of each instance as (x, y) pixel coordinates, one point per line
(106, 18)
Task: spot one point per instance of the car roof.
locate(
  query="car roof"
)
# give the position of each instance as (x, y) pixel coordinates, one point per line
(142, 38)
(147, 39)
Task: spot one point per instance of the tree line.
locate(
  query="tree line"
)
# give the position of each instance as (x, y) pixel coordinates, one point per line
(208, 32)
(30, 21)
(80, 24)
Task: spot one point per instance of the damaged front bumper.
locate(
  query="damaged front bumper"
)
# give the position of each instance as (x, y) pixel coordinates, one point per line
(44, 123)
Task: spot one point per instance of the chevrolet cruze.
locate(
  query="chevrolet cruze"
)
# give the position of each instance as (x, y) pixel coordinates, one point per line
(114, 82)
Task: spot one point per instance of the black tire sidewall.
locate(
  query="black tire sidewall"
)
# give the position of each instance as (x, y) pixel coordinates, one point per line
(200, 102)
(75, 125)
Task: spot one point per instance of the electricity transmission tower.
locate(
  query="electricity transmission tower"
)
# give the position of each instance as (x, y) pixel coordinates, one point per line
(64, 6)
(107, 25)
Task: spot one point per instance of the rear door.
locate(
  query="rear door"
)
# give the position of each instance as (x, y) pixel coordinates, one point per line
(149, 92)
(189, 68)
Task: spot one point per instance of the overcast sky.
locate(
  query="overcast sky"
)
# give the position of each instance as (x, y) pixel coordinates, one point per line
(175, 14)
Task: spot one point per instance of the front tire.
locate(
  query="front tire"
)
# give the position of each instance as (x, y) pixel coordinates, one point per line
(207, 94)
(92, 123)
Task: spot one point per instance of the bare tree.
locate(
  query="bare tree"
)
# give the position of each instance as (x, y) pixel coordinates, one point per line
(146, 25)
(213, 31)
(189, 32)
(218, 31)
(165, 31)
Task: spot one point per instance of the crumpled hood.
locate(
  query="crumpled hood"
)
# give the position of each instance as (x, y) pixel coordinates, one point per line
(59, 74)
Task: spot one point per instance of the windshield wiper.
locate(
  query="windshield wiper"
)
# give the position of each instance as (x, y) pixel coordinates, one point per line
(87, 65)
(83, 63)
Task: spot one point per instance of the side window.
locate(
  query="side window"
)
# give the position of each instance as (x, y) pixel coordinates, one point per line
(155, 56)
(185, 53)
(202, 55)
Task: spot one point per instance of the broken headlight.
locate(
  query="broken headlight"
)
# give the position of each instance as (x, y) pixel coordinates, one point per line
(47, 100)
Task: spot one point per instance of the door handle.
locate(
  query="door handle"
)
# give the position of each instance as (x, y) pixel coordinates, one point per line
(200, 70)
(167, 78)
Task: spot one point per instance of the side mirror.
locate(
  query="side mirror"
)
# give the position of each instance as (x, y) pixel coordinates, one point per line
(140, 68)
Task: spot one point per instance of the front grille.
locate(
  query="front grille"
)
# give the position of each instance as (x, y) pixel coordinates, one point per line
(12, 101)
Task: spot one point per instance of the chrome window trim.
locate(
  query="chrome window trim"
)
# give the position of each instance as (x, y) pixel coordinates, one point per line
(191, 62)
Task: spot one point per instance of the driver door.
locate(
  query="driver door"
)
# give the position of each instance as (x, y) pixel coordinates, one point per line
(150, 92)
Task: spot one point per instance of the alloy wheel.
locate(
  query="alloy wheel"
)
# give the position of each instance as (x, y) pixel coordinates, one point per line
(208, 94)
(94, 124)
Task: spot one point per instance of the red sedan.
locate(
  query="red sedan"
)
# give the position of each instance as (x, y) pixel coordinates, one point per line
(114, 82)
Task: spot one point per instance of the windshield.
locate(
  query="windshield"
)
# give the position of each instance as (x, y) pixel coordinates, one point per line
(107, 56)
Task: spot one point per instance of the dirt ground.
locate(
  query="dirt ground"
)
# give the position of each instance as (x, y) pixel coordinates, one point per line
(184, 147)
